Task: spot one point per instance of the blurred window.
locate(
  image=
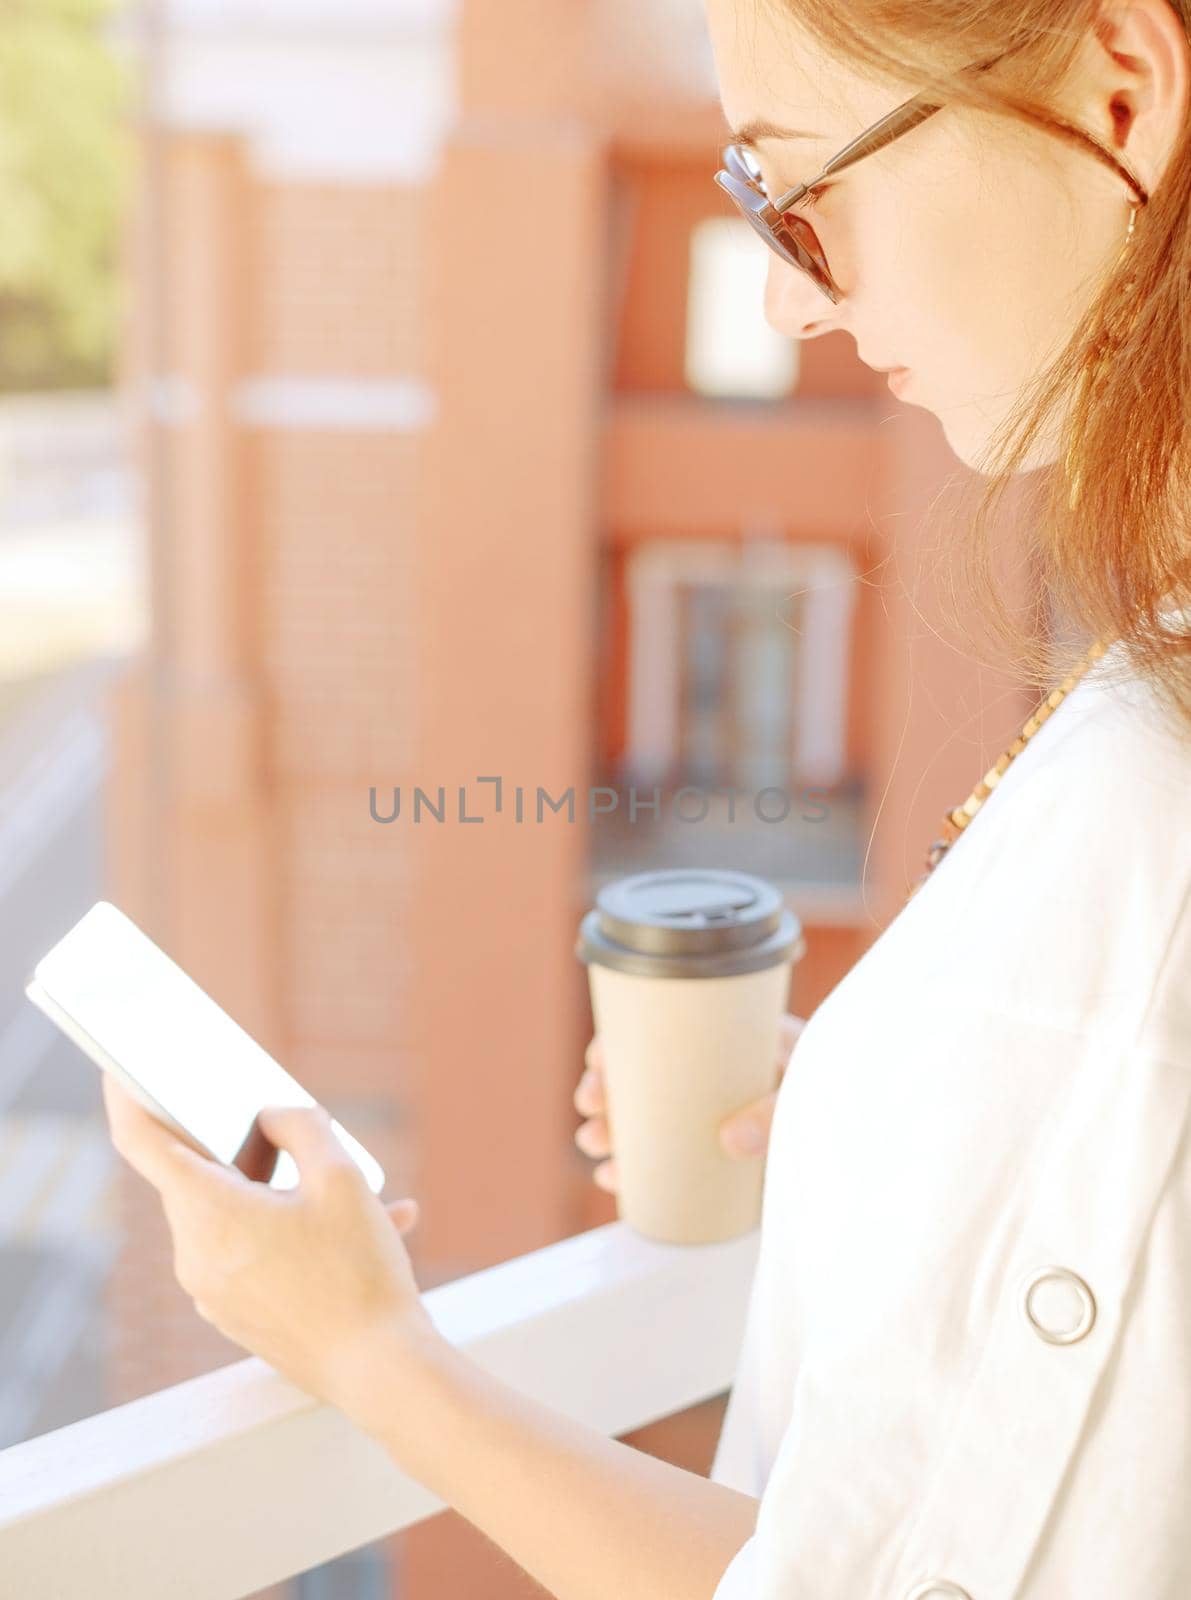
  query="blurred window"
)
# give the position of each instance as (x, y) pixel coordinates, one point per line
(738, 662)
(731, 351)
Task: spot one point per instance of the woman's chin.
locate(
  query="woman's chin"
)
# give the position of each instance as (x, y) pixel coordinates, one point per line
(969, 445)
(975, 438)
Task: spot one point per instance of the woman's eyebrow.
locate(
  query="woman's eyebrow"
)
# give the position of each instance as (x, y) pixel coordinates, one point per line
(758, 129)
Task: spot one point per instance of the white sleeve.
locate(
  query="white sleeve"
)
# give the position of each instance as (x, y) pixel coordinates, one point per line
(738, 1455)
(740, 1581)
(1080, 1326)
(738, 1452)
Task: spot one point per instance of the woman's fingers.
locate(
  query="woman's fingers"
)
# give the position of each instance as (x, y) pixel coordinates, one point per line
(589, 1092)
(746, 1133)
(788, 1031)
(606, 1175)
(589, 1095)
(593, 1137)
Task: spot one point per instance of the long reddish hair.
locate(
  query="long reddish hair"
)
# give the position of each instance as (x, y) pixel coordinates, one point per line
(1109, 565)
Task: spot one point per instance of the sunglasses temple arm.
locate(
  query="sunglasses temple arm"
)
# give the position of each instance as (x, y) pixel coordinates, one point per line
(897, 123)
(909, 116)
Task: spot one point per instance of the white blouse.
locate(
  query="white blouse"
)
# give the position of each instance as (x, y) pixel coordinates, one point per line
(966, 1366)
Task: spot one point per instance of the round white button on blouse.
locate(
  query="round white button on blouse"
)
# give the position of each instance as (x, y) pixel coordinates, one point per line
(938, 1589)
(1058, 1305)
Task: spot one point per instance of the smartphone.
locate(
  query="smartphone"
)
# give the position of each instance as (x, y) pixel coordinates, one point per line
(138, 1015)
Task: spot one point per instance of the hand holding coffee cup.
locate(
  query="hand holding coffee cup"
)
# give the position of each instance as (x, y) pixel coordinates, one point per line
(689, 971)
(743, 1135)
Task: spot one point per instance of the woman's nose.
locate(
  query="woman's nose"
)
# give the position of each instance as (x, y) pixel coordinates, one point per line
(795, 306)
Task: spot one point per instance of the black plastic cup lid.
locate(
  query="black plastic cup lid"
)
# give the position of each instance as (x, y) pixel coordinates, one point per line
(689, 922)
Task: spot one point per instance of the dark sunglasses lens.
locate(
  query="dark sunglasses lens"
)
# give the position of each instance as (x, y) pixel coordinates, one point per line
(800, 245)
(793, 238)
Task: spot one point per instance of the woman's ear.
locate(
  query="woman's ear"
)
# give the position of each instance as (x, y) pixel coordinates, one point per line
(1140, 83)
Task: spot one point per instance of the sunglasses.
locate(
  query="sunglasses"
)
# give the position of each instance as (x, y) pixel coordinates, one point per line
(795, 240)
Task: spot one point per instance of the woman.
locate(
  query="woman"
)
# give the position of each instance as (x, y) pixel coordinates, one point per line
(965, 1372)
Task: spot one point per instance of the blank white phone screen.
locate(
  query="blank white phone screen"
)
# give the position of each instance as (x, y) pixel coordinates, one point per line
(125, 996)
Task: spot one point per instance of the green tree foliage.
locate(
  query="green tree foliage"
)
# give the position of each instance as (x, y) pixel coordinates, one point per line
(64, 153)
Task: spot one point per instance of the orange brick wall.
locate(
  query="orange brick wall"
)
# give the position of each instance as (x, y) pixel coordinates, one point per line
(282, 562)
(340, 279)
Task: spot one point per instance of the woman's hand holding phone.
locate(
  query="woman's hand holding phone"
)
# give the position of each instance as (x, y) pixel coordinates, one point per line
(315, 1280)
(744, 1133)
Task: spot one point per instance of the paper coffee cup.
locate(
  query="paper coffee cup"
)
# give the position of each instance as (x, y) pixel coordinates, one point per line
(689, 971)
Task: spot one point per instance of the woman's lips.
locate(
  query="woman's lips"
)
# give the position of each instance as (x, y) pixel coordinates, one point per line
(897, 379)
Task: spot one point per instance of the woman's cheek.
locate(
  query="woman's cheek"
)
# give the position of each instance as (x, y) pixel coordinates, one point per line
(777, 282)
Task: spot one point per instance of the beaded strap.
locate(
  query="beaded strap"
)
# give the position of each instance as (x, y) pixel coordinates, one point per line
(958, 818)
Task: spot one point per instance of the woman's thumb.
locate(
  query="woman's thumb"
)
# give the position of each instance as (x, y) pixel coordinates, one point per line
(403, 1214)
(307, 1132)
(746, 1133)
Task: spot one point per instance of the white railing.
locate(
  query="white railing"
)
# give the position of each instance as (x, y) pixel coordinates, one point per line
(236, 1480)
